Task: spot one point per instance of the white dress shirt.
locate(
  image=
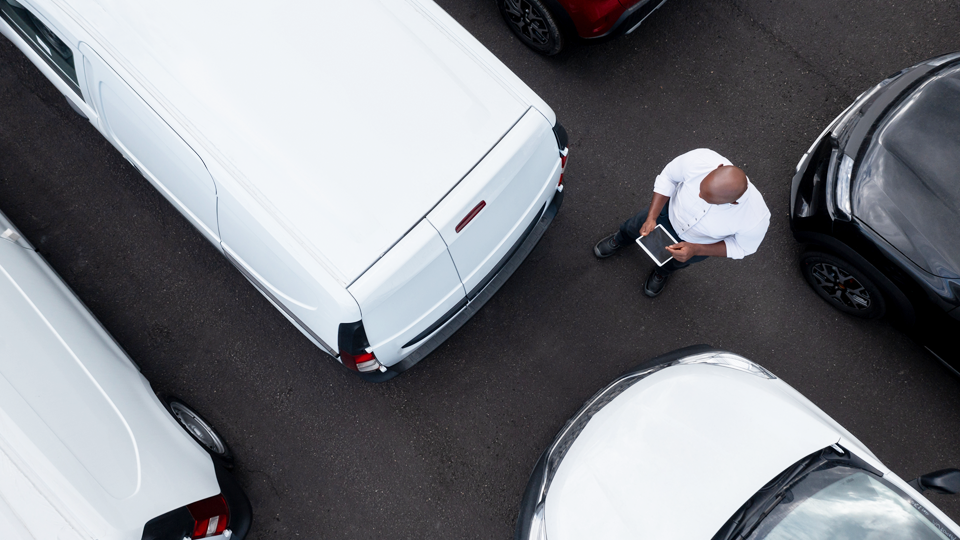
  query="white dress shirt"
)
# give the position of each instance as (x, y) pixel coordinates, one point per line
(741, 225)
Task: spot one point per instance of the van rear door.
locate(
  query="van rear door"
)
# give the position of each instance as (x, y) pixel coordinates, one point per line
(499, 201)
(404, 295)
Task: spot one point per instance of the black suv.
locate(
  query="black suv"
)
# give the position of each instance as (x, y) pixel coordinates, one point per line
(877, 200)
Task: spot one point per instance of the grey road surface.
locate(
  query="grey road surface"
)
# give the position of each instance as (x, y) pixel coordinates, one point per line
(444, 450)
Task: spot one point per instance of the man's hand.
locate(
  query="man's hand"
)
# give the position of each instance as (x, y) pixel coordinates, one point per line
(648, 227)
(683, 251)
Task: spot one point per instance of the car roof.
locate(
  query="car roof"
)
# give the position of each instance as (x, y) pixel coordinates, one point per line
(907, 186)
(677, 453)
(347, 121)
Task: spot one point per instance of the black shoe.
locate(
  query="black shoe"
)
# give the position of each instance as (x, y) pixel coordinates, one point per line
(606, 247)
(654, 284)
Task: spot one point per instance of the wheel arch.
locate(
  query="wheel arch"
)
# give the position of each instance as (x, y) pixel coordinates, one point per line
(567, 26)
(564, 20)
(906, 311)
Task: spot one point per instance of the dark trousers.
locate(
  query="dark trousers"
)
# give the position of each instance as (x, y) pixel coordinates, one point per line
(630, 231)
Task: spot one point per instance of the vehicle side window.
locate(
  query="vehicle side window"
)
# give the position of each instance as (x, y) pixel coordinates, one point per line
(50, 47)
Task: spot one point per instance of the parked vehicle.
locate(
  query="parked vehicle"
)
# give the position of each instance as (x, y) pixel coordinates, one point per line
(87, 450)
(377, 194)
(701, 443)
(877, 201)
(546, 26)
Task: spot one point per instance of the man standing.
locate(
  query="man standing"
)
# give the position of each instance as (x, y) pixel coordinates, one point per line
(707, 203)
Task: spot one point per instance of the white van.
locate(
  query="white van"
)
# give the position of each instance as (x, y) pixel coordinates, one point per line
(87, 450)
(368, 165)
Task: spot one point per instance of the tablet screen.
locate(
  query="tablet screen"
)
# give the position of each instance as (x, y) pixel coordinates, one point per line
(655, 244)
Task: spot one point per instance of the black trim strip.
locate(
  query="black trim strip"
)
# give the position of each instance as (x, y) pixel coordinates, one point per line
(561, 135)
(630, 18)
(479, 287)
(440, 322)
(513, 261)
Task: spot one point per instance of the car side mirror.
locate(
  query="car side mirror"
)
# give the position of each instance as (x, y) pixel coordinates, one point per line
(945, 481)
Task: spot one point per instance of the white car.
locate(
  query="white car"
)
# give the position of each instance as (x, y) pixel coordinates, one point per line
(87, 450)
(376, 185)
(701, 444)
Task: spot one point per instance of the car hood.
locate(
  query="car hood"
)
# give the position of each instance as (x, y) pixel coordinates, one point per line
(676, 454)
(908, 185)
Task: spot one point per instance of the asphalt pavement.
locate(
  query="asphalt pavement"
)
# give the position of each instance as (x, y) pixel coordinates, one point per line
(444, 450)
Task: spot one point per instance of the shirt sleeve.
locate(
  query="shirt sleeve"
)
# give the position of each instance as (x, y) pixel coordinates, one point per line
(671, 176)
(747, 241)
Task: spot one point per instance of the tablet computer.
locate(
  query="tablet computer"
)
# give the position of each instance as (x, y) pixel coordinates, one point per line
(655, 244)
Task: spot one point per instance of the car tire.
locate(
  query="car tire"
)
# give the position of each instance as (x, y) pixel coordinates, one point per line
(534, 24)
(843, 285)
(200, 429)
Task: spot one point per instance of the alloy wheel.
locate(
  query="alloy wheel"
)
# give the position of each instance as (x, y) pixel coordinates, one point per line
(529, 20)
(841, 286)
(200, 429)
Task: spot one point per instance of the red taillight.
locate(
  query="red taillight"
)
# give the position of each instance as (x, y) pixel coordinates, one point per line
(563, 166)
(363, 362)
(210, 516)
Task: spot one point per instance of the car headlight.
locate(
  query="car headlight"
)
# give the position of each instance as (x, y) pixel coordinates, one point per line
(838, 185)
(839, 175)
(844, 171)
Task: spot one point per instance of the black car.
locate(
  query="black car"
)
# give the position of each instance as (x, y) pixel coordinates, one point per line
(877, 201)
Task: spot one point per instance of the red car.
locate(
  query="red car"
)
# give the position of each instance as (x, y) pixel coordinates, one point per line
(546, 25)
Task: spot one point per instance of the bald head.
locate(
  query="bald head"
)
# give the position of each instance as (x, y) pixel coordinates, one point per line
(723, 185)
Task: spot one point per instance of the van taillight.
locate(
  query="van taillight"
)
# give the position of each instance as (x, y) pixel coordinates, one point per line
(363, 363)
(353, 348)
(563, 165)
(210, 516)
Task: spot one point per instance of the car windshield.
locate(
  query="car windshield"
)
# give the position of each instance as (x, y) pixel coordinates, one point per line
(838, 502)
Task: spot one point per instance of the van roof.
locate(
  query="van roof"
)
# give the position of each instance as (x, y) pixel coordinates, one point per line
(346, 121)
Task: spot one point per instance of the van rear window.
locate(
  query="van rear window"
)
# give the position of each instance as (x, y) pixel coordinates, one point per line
(48, 45)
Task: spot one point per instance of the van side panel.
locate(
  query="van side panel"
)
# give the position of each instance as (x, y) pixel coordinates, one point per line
(34, 346)
(151, 145)
(78, 418)
(406, 291)
(25, 513)
(309, 299)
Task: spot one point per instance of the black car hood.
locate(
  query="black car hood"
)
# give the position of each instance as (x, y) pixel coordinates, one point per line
(907, 187)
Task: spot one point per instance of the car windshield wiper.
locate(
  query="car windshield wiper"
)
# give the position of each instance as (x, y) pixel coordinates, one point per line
(748, 516)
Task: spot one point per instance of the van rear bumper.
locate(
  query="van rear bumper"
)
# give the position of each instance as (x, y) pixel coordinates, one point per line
(491, 284)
